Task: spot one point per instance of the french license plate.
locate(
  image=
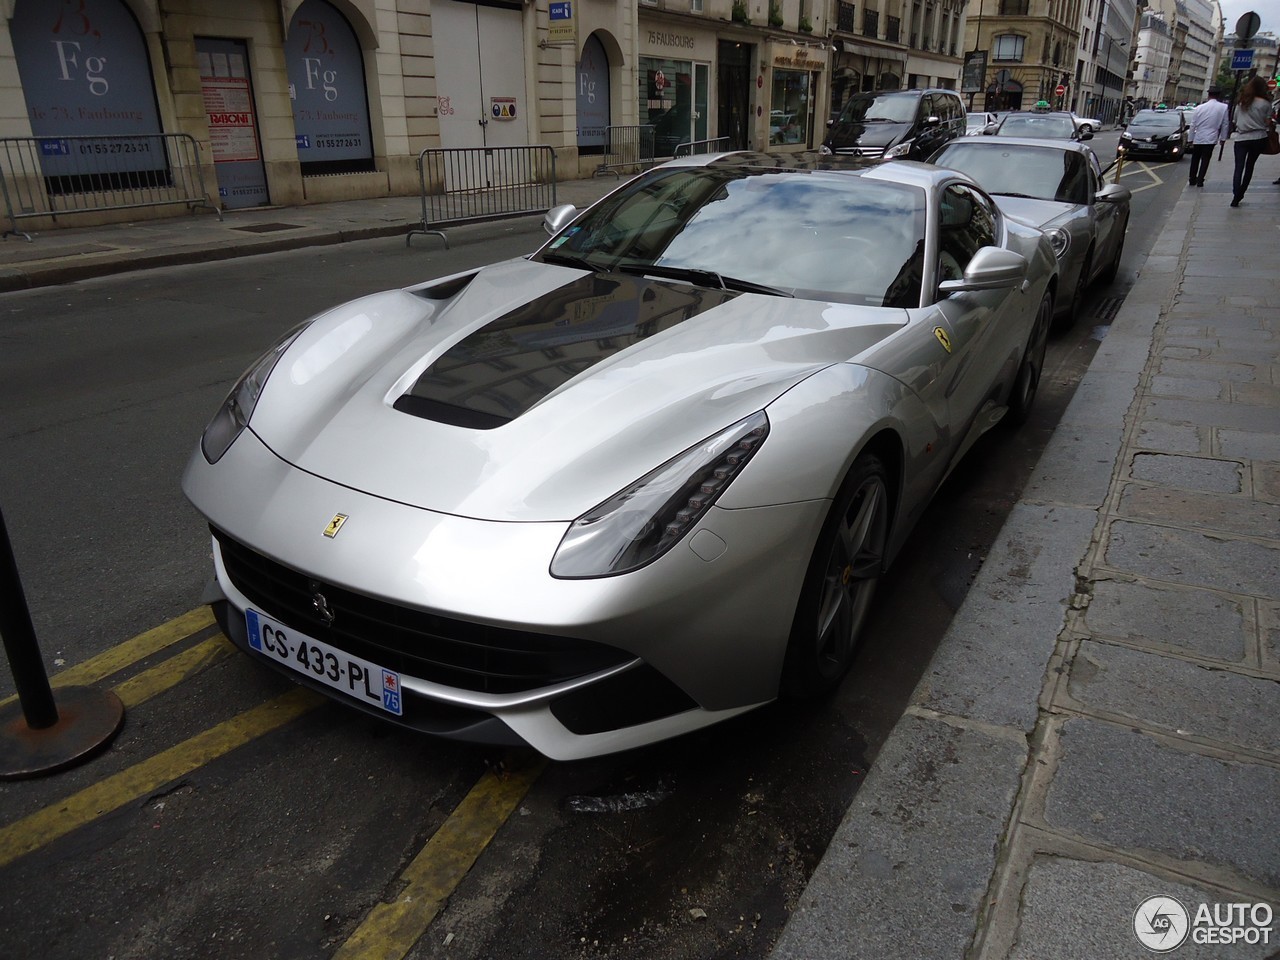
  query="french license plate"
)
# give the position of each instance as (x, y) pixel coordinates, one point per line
(1145, 146)
(354, 676)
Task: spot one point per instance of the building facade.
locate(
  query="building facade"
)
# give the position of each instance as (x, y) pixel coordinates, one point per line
(1151, 63)
(1027, 46)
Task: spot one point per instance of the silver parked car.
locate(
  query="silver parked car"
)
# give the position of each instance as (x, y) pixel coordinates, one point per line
(638, 482)
(1057, 185)
(1086, 124)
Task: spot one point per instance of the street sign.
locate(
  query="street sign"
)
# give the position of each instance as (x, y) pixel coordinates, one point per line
(1241, 59)
(1059, 90)
(1247, 26)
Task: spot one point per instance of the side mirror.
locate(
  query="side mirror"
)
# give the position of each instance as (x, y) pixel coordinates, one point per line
(932, 121)
(557, 218)
(1112, 193)
(991, 268)
(831, 122)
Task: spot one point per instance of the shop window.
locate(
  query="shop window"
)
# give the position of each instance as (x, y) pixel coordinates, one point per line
(326, 82)
(593, 96)
(789, 120)
(63, 52)
(670, 103)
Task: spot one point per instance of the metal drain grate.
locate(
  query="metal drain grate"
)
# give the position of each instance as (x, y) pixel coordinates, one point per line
(1108, 309)
(268, 227)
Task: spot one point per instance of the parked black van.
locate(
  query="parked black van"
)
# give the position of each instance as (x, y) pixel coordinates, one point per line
(895, 124)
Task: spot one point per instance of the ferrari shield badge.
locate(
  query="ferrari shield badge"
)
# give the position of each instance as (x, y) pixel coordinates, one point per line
(937, 332)
(335, 525)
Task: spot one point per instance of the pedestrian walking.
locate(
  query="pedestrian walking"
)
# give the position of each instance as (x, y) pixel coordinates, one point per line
(1252, 122)
(1210, 126)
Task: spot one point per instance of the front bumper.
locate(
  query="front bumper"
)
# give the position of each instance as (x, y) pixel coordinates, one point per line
(700, 634)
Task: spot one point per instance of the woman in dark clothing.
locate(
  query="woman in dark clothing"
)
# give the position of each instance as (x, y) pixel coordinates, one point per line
(1252, 121)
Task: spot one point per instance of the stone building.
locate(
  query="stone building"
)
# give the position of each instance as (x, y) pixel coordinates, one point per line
(301, 101)
(1151, 63)
(1029, 46)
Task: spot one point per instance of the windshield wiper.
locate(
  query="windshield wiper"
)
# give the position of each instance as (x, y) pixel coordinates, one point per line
(703, 278)
(1024, 196)
(879, 120)
(569, 260)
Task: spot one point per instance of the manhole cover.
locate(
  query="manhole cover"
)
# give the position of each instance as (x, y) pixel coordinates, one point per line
(268, 227)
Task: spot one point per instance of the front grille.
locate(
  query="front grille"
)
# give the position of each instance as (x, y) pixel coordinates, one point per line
(873, 153)
(456, 653)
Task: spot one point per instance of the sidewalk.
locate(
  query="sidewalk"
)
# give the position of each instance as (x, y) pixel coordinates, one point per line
(1101, 723)
(77, 253)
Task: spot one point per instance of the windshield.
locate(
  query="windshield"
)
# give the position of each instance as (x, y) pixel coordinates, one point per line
(1045, 173)
(1164, 122)
(868, 108)
(1054, 128)
(825, 236)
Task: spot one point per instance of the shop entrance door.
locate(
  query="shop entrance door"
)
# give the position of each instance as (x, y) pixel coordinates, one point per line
(733, 78)
(233, 122)
(479, 75)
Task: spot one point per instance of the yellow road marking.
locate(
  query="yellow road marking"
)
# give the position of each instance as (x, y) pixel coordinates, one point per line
(391, 929)
(59, 819)
(173, 671)
(131, 651)
(1134, 167)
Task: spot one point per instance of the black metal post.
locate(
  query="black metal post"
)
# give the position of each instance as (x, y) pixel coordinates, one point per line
(20, 643)
(38, 737)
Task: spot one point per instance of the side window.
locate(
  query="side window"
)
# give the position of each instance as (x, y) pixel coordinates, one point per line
(966, 223)
(926, 108)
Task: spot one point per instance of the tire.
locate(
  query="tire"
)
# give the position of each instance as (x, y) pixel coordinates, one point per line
(840, 583)
(1023, 395)
(1111, 269)
(1072, 317)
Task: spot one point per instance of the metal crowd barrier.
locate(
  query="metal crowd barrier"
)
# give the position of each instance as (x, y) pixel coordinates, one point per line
(474, 184)
(631, 147)
(57, 176)
(695, 147)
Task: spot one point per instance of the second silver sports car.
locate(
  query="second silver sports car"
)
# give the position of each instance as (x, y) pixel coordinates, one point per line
(638, 482)
(1057, 185)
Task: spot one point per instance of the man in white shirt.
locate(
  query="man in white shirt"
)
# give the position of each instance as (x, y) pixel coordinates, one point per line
(1210, 126)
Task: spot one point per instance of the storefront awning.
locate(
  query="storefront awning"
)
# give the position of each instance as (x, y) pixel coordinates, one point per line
(873, 52)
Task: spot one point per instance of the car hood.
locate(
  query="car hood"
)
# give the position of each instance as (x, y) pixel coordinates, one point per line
(537, 391)
(844, 133)
(1038, 213)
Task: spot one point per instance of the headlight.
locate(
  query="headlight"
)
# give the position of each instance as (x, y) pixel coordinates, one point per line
(235, 411)
(900, 150)
(824, 151)
(1059, 239)
(642, 522)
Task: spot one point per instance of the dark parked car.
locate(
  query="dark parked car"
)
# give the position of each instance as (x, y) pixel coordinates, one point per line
(896, 124)
(1155, 133)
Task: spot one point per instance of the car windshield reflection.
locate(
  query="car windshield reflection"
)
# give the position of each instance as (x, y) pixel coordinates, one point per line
(1045, 173)
(811, 234)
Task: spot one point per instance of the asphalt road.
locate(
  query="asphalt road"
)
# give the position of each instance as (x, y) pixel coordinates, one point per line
(217, 826)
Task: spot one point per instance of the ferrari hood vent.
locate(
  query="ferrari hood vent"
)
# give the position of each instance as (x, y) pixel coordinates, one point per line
(496, 373)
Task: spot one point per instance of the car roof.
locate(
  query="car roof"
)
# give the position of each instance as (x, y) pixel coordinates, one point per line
(1041, 143)
(910, 172)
